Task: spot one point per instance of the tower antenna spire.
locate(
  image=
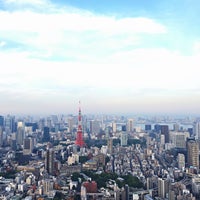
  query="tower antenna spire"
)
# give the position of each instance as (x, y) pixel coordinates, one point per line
(79, 136)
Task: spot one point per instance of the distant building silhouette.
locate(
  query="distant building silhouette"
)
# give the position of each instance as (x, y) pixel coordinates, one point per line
(147, 127)
(71, 124)
(9, 123)
(165, 131)
(2, 121)
(46, 134)
(94, 127)
(123, 127)
(176, 127)
(157, 128)
(32, 124)
(1, 136)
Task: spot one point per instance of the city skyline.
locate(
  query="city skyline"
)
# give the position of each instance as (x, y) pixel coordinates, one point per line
(115, 57)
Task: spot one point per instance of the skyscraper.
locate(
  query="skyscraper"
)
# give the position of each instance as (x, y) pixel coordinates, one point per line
(181, 161)
(9, 123)
(165, 131)
(196, 130)
(176, 127)
(49, 160)
(163, 187)
(179, 139)
(2, 121)
(79, 137)
(147, 127)
(94, 127)
(130, 125)
(193, 153)
(124, 138)
(1, 136)
(46, 135)
(110, 145)
(157, 128)
(114, 127)
(70, 124)
(20, 133)
(28, 146)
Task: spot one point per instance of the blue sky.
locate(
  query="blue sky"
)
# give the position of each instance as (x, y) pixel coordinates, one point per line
(115, 56)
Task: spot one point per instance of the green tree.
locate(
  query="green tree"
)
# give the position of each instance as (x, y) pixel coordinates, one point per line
(76, 176)
(83, 159)
(59, 196)
(132, 181)
(107, 159)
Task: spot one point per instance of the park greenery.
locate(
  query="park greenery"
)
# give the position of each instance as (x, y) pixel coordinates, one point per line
(103, 178)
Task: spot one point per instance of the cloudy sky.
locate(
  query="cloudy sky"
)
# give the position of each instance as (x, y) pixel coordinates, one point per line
(114, 56)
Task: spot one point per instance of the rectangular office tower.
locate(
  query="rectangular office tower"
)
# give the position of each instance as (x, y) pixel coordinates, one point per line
(193, 154)
(49, 161)
(165, 131)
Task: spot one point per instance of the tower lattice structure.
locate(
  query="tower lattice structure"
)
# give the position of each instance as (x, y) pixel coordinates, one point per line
(79, 138)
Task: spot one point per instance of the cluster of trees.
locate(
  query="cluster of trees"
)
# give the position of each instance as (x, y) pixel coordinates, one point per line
(131, 181)
(59, 196)
(103, 178)
(9, 174)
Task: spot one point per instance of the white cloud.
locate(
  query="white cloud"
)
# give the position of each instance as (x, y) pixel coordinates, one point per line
(87, 39)
(160, 69)
(2, 43)
(64, 53)
(196, 47)
(59, 29)
(26, 2)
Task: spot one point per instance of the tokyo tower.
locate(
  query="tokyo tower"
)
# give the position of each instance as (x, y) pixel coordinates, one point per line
(79, 137)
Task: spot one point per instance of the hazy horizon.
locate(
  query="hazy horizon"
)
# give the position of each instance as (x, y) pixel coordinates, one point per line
(115, 57)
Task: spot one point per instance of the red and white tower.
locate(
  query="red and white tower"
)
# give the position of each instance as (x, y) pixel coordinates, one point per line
(79, 136)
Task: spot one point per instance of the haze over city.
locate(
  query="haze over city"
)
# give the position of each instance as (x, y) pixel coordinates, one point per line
(114, 56)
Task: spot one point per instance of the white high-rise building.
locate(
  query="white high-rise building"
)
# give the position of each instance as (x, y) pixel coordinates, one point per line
(114, 127)
(124, 138)
(95, 127)
(179, 139)
(193, 153)
(196, 130)
(130, 125)
(9, 124)
(71, 124)
(20, 133)
(162, 139)
(181, 161)
(176, 127)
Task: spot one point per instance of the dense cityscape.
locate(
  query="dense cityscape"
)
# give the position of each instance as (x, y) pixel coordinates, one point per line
(134, 65)
(99, 157)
